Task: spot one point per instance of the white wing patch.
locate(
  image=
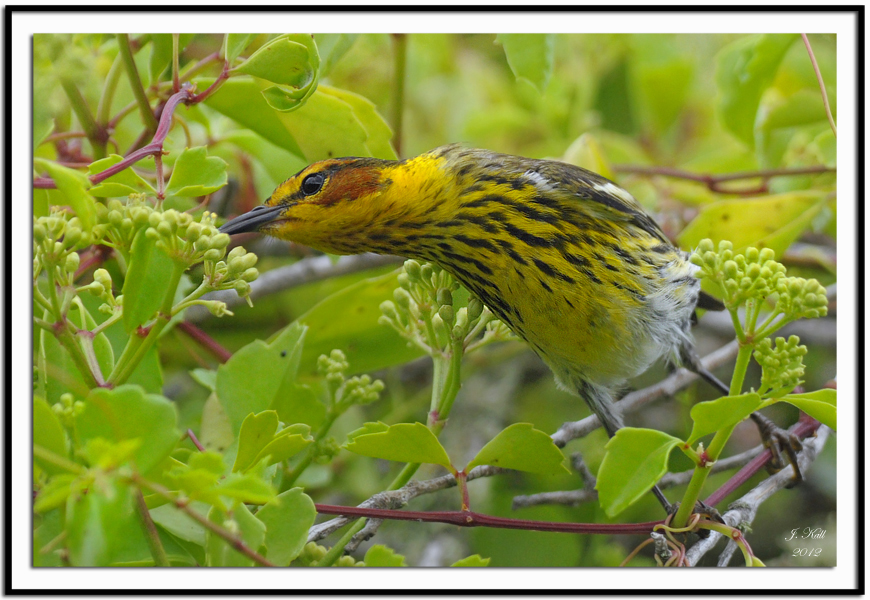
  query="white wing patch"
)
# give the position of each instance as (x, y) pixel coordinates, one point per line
(615, 190)
(540, 182)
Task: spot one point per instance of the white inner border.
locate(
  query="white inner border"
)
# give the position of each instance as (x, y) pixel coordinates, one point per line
(570, 21)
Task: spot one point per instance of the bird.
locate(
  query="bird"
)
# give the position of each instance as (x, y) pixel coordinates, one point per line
(568, 259)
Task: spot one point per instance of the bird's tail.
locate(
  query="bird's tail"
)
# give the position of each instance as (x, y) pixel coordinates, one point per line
(600, 401)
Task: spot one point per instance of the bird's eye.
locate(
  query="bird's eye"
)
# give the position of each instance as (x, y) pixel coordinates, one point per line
(312, 184)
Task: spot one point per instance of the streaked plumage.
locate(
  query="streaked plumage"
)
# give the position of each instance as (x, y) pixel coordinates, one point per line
(569, 260)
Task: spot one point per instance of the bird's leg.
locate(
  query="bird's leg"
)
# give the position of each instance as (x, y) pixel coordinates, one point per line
(774, 438)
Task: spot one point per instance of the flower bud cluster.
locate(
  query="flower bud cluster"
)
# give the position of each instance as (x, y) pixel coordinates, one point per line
(312, 553)
(801, 298)
(235, 272)
(752, 275)
(345, 393)
(423, 307)
(101, 287)
(55, 241)
(781, 363)
(67, 409)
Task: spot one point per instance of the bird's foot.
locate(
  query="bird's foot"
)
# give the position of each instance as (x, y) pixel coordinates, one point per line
(779, 441)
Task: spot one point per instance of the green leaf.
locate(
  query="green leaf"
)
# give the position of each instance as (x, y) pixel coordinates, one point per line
(820, 405)
(773, 221)
(475, 560)
(73, 185)
(148, 281)
(381, 556)
(98, 522)
(48, 433)
(744, 70)
(719, 414)
(40, 203)
(251, 531)
(179, 524)
(148, 372)
(290, 60)
(777, 125)
(522, 448)
(207, 378)
(216, 431)
(277, 162)
(54, 494)
(377, 132)
(635, 460)
(120, 184)
(348, 319)
(161, 54)
(331, 47)
(256, 431)
(196, 174)
(287, 519)
(258, 439)
(56, 369)
(128, 413)
(249, 488)
(235, 44)
(530, 56)
(275, 365)
(658, 62)
(241, 100)
(404, 442)
(43, 122)
(332, 122)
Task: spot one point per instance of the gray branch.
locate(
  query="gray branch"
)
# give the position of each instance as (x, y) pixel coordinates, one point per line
(307, 270)
(742, 512)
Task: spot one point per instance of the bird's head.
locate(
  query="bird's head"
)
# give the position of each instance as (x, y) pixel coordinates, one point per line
(321, 206)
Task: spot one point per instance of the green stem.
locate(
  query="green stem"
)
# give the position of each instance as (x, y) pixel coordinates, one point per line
(311, 452)
(114, 318)
(52, 294)
(699, 477)
(136, 346)
(136, 83)
(485, 318)
(42, 300)
(453, 381)
(96, 134)
(68, 341)
(744, 354)
(111, 85)
(151, 534)
(87, 344)
(400, 46)
(443, 403)
(57, 460)
(770, 329)
(43, 324)
(738, 326)
(762, 330)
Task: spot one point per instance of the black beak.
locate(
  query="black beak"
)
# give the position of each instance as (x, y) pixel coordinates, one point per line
(253, 220)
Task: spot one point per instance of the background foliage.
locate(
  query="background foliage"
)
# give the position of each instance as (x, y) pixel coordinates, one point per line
(706, 104)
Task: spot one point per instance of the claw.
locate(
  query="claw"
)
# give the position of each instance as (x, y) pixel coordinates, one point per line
(778, 440)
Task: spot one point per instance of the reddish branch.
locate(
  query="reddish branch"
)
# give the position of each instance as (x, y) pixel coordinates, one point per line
(473, 519)
(714, 182)
(154, 148)
(204, 340)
